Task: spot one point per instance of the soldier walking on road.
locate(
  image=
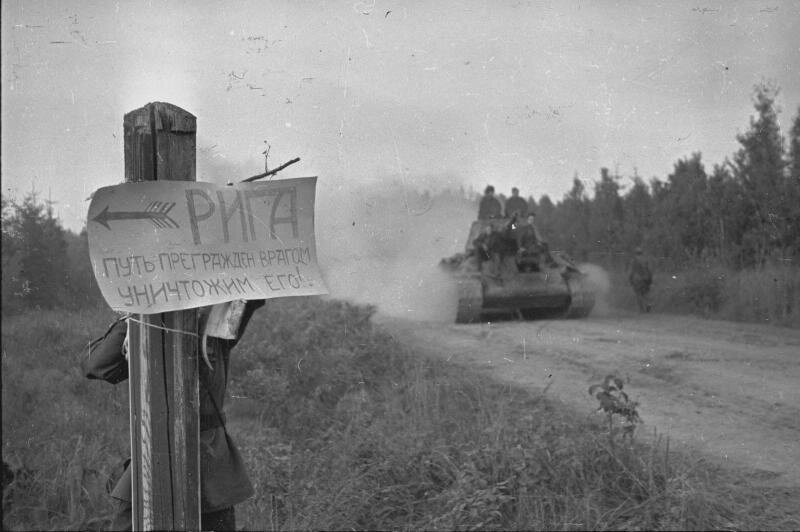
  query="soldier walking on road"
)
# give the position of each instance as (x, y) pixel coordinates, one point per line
(641, 278)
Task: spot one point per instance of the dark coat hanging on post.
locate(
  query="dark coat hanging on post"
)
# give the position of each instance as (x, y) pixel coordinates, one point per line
(223, 476)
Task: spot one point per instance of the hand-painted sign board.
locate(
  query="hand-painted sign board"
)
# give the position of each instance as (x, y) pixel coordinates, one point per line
(161, 246)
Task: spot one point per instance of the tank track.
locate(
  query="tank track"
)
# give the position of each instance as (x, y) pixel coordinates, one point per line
(470, 300)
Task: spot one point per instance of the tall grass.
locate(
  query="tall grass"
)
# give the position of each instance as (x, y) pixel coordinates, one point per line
(64, 436)
(766, 295)
(341, 427)
(358, 433)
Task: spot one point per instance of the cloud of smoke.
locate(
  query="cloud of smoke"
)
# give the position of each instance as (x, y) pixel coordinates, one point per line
(381, 244)
(600, 282)
(214, 167)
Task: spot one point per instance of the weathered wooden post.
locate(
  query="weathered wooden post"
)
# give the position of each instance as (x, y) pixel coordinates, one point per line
(160, 143)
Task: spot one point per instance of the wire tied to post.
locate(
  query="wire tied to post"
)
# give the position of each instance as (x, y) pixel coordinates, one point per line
(203, 339)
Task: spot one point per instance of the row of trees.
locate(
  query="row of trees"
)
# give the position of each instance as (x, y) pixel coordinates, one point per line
(44, 265)
(743, 213)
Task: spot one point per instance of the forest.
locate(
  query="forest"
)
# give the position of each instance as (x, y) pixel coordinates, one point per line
(743, 212)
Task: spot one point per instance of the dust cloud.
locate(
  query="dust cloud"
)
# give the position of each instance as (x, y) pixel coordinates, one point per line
(381, 244)
(600, 282)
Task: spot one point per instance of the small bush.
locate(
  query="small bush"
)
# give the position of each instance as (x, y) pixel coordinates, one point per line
(704, 290)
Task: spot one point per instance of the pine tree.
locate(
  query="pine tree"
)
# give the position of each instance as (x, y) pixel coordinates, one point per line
(571, 227)
(729, 212)
(793, 163)
(638, 207)
(759, 166)
(606, 214)
(12, 281)
(792, 195)
(684, 210)
(38, 247)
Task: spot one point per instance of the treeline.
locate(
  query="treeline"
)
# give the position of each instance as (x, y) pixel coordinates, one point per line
(741, 213)
(44, 265)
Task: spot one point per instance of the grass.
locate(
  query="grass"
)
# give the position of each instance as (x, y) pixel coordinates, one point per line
(767, 295)
(63, 434)
(770, 295)
(341, 427)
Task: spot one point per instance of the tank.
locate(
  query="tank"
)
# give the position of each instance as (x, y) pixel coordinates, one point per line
(544, 284)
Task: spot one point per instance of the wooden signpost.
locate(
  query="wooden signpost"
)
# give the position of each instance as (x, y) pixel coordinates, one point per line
(160, 144)
(161, 246)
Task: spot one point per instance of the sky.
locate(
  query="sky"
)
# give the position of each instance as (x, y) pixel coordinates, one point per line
(433, 94)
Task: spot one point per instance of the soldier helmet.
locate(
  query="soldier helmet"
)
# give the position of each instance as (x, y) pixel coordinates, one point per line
(489, 189)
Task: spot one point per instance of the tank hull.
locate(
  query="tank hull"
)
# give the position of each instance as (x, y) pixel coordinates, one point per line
(526, 290)
(529, 295)
(556, 289)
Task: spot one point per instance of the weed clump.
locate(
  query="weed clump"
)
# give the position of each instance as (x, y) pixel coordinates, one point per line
(616, 404)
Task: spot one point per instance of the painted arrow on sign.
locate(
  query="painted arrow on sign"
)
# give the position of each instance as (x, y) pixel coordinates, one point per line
(157, 212)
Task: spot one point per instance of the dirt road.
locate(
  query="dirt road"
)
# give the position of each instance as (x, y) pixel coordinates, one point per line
(728, 390)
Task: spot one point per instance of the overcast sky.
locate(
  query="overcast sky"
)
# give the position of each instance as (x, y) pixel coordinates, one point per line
(445, 92)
